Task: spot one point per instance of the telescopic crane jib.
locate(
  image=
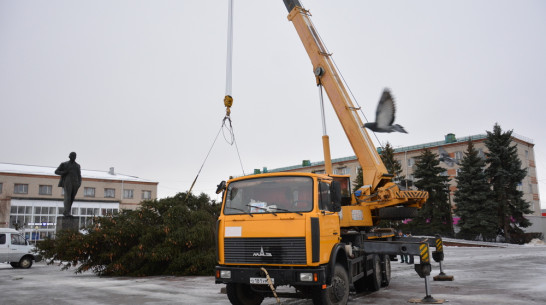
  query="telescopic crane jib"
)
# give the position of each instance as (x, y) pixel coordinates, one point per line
(378, 191)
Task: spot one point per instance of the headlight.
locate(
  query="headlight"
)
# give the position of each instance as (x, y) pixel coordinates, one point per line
(306, 277)
(225, 274)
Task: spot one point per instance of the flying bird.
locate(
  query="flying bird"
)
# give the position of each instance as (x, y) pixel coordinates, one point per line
(444, 157)
(384, 115)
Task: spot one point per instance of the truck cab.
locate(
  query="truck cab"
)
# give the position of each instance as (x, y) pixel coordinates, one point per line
(285, 222)
(15, 249)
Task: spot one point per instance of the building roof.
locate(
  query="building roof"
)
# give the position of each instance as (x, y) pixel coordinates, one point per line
(455, 140)
(338, 160)
(450, 139)
(50, 171)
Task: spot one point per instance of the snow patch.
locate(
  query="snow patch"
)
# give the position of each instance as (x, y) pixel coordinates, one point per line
(536, 242)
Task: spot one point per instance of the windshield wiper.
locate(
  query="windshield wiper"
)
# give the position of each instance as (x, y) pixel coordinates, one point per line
(241, 211)
(285, 210)
(261, 208)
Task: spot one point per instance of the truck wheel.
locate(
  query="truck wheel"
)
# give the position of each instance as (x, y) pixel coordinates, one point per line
(338, 292)
(25, 262)
(375, 279)
(386, 271)
(14, 265)
(242, 294)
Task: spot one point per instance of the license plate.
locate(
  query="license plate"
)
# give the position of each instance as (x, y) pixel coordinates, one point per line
(259, 280)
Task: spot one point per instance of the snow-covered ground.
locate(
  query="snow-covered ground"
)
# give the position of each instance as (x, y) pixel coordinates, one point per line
(509, 274)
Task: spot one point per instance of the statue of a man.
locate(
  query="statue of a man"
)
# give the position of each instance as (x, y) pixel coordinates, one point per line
(71, 180)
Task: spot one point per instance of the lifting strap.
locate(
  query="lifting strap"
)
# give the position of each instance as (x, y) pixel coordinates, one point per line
(228, 101)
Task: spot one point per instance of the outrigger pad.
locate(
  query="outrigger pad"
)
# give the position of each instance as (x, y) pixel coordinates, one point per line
(443, 277)
(427, 300)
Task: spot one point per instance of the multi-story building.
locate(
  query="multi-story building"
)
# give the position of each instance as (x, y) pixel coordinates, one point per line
(31, 200)
(451, 151)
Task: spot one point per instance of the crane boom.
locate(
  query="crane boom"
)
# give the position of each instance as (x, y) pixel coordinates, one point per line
(376, 178)
(374, 171)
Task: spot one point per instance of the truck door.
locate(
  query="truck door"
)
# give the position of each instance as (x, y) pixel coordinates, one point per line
(18, 247)
(329, 222)
(4, 250)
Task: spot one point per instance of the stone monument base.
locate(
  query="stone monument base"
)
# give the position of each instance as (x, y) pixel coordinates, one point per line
(68, 223)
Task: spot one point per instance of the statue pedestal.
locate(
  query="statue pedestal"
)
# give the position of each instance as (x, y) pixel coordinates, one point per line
(68, 223)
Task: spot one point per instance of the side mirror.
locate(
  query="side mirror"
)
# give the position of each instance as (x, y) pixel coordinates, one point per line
(335, 192)
(220, 187)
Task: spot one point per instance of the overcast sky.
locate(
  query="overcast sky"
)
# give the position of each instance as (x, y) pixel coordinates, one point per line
(139, 85)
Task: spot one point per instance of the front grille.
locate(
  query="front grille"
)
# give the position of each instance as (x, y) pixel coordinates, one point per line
(265, 250)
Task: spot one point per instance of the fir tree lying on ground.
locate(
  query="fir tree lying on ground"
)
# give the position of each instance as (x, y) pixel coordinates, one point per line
(171, 236)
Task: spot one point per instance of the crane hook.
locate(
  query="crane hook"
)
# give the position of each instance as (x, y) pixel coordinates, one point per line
(228, 102)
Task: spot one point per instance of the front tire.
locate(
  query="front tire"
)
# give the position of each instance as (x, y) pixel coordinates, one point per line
(242, 294)
(14, 265)
(338, 292)
(25, 262)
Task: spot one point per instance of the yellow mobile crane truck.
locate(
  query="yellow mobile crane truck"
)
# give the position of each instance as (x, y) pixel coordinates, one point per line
(309, 230)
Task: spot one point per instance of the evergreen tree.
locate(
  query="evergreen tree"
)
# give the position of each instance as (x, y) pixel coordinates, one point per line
(359, 180)
(393, 166)
(475, 207)
(435, 215)
(505, 174)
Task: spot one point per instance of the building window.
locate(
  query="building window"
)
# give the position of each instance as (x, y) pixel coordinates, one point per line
(146, 195)
(20, 188)
(89, 192)
(342, 171)
(45, 189)
(458, 155)
(109, 212)
(128, 194)
(109, 193)
(481, 154)
(411, 162)
(526, 154)
(1, 184)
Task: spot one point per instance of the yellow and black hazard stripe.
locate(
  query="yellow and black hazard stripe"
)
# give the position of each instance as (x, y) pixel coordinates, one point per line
(439, 245)
(424, 253)
(411, 194)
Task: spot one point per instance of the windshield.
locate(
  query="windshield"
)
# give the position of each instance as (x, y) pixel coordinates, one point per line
(270, 195)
